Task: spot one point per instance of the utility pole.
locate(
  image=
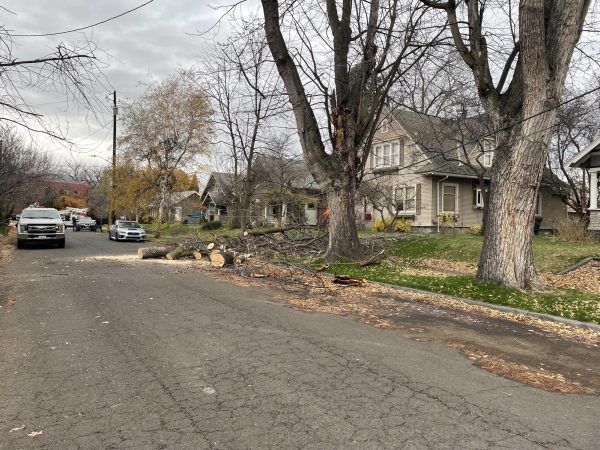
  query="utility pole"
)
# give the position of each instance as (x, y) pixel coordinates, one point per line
(114, 160)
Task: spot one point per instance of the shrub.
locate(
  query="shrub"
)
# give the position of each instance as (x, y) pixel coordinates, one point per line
(403, 226)
(476, 229)
(379, 225)
(572, 229)
(212, 225)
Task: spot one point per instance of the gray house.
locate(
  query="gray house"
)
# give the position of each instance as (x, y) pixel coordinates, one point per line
(437, 173)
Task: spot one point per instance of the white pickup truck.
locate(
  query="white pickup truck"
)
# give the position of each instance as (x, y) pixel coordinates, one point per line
(40, 225)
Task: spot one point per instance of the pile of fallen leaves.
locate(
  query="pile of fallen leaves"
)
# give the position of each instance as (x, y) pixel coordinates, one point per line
(585, 278)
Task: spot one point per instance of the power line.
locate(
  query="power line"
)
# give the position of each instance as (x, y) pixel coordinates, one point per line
(87, 26)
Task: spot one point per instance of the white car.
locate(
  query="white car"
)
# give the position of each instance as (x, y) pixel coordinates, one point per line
(126, 230)
(40, 225)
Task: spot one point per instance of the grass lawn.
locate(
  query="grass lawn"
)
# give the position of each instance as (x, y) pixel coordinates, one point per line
(551, 255)
(567, 303)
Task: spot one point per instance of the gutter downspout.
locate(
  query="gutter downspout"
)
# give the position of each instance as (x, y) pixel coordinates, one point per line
(437, 206)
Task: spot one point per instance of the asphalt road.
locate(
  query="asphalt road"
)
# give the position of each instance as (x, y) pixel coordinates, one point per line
(100, 352)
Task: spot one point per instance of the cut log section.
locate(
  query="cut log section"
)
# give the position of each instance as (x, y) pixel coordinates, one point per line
(219, 259)
(152, 252)
(348, 281)
(179, 252)
(198, 255)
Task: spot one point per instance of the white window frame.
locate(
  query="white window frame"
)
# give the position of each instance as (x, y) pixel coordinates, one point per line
(538, 206)
(406, 202)
(488, 153)
(455, 198)
(386, 154)
(479, 203)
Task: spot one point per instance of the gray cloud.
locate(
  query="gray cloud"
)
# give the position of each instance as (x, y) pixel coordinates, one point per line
(146, 45)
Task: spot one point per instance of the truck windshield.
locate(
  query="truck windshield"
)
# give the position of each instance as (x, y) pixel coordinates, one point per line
(40, 214)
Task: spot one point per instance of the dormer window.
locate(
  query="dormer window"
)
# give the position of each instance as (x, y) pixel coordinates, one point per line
(488, 153)
(387, 154)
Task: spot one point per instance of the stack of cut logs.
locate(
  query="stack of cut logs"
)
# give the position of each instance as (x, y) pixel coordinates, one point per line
(218, 257)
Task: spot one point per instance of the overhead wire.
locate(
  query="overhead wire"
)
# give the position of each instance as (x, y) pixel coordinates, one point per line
(87, 26)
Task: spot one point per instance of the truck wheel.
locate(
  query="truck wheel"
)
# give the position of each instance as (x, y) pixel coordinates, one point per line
(61, 244)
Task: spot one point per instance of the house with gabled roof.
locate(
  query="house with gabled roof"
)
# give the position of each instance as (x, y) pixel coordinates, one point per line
(437, 170)
(283, 192)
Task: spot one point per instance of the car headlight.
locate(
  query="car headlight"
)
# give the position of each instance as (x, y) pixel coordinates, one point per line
(60, 228)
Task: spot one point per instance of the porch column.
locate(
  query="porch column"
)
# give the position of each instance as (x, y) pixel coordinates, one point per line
(594, 188)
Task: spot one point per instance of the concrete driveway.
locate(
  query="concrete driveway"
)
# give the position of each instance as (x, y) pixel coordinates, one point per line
(100, 351)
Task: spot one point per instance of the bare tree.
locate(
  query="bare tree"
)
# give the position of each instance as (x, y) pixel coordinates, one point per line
(338, 63)
(71, 71)
(166, 129)
(22, 170)
(245, 91)
(577, 125)
(520, 78)
(389, 199)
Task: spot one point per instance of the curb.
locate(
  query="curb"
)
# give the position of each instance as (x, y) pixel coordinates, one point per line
(571, 322)
(578, 265)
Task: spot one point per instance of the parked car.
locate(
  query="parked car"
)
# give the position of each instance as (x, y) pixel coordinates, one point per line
(126, 230)
(85, 223)
(40, 225)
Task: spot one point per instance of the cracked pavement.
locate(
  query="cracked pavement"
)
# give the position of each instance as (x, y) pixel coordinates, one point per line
(109, 353)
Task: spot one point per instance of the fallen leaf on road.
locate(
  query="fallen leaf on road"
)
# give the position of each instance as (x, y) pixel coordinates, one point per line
(105, 322)
(34, 433)
(21, 428)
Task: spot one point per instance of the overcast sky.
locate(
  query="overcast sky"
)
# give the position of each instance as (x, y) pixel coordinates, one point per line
(145, 45)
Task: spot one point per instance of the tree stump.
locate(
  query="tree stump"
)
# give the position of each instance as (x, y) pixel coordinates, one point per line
(152, 252)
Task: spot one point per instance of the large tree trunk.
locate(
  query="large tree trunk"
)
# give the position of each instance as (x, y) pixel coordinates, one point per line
(343, 235)
(507, 254)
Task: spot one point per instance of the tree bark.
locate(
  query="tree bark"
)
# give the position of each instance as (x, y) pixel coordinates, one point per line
(343, 235)
(179, 252)
(163, 198)
(507, 254)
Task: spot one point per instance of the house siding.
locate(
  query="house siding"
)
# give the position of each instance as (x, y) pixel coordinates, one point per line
(553, 210)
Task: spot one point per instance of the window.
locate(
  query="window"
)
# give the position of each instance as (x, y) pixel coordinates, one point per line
(387, 154)
(311, 206)
(450, 198)
(488, 153)
(477, 198)
(405, 198)
(538, 205)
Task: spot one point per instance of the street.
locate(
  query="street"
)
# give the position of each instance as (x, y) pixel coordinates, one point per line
(102, 351)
